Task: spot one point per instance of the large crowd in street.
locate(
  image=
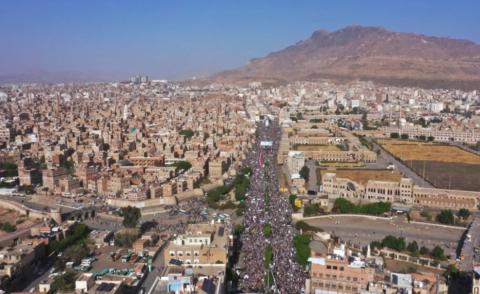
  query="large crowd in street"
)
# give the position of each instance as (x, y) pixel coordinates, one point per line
(288, 275)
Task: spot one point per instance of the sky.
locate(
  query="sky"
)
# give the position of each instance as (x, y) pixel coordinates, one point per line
(175, 39)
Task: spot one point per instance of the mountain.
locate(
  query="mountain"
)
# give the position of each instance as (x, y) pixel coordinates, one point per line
(369, 53)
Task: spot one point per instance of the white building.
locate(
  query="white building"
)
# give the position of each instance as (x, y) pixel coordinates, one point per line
(295, 161)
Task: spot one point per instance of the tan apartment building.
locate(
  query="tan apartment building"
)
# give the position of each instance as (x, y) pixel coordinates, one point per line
(52, 176)
(336, 274)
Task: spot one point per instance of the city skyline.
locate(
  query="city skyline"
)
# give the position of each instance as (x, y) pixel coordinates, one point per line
(113, 40)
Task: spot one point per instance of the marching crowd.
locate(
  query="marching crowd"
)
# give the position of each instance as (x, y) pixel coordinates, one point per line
(288, 275)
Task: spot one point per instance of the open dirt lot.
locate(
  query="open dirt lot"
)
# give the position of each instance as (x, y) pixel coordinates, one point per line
(362, 176)
(444, 166)
(316, 147)
(448, 175)
(412, 150)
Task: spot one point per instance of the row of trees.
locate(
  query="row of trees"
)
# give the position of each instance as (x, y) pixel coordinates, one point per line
(76, 235)
(399, 244)
(406, 137)
(447, 216)
(312, 210)
(342, 205)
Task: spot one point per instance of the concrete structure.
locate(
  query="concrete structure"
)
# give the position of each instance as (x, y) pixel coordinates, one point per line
(295, 161)
(203, 245)
(404, 192)
(460, 135)
(337, 274)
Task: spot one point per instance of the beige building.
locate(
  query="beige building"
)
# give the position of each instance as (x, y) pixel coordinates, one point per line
(464, 136)
(201, 245)
(51, 177)
(336, 274)
(216, 168)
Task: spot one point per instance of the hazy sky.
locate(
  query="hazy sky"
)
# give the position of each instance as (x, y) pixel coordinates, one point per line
(179, 39)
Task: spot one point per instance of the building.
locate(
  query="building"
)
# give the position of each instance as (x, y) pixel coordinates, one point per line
(403, 191)
(216, 168)
(205, 245)
(51, 177)
(338, 273)
(469, 136)
(295, 161)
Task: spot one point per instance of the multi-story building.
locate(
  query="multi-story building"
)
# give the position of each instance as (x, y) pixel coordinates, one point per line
(338, 274)
(403, 191)
(52, 176)
(205, 245)
(464, 136)
(295, 161)
(216, 168)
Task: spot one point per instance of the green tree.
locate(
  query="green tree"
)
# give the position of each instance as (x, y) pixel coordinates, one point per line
(268, 256)
(438, 253)
(238, 229)
(267, 230)
(8, 227)
(413, 248)
(304, 173)
(446, 217)
(76, 235)
(394, 243)
(75, 253)
(302, 248)
(312, 210)
(131, 215)
(424, 250)
(394, 135)
(182, 165)
(342, 205)
(125, 239)
(64, 282)
(9, 169)
(187, 133)
(464, 213)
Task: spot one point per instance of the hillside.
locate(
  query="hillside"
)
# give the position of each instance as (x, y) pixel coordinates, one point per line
(370, 53)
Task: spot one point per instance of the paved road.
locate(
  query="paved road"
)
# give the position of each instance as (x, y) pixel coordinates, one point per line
(312, 178)
(468, 252)
(42, 275)
(362, 231)
(403, 169)
(158, 267)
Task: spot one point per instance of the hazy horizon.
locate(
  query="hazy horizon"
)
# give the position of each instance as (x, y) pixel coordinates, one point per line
(112, 40)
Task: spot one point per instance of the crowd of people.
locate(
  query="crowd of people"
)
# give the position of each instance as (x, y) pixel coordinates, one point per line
(288, 275)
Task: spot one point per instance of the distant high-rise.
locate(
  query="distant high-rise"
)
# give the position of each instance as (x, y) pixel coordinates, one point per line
(139, 79)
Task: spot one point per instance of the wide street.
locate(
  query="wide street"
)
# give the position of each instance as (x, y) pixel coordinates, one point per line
(362, 230)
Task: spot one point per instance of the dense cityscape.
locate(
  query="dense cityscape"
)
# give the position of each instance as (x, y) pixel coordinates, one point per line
(167, 187)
